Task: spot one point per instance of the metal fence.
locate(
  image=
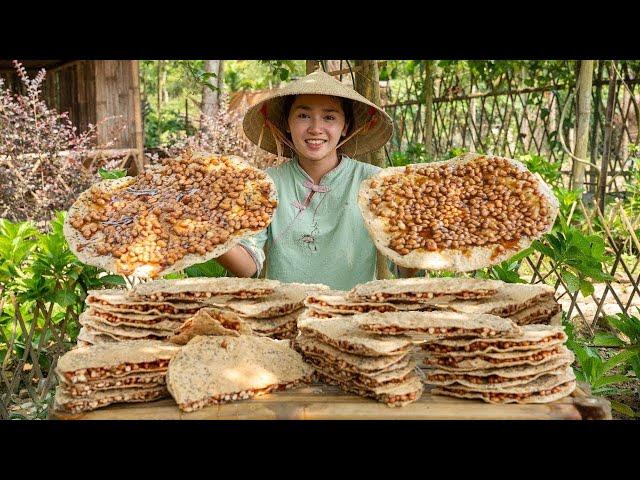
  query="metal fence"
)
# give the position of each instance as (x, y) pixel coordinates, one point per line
(503, 116)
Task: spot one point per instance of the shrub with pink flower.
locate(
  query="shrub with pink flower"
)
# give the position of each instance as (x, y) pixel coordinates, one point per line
(41, 154)
(222, 133)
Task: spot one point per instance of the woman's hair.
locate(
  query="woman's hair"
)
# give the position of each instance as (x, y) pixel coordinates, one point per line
(347, 108)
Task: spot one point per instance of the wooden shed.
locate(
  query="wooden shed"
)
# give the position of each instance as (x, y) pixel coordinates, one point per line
(99, 92)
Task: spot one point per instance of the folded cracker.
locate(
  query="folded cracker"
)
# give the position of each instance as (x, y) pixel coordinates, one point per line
(540, 312)
(498, 360)
(212, 370)
(142, 317)
(66, 403)
(122, 331)
(134, 320)
(510, 299)
(87, 336)
(424, 290)
(343, 333)
(491, 379)
(363, 380)
(433, 325)
(394, 395)
(120, 301)
(274, 323)
(103, 336)
(136, 380)
(210, 321)
(541, 390)
(287, 298)
(336, 302)
(348, 361)
(556, 393)
(533, 337)
(112, 360)
(205, 287)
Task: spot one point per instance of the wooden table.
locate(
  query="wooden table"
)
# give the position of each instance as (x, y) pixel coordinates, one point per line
(324, 402)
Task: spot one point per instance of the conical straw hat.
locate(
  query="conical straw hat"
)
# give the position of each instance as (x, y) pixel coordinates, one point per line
(374, 125)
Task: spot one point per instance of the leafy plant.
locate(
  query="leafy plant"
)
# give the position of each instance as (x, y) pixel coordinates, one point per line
(210, 268)
(547, 169)
(597, 373)
(577, 257)
(626, 336)
(112, 174)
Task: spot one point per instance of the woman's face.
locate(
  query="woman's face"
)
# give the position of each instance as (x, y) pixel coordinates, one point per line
(317, 124)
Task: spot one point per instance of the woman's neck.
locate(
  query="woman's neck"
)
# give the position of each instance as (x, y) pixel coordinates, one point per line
(317, 169)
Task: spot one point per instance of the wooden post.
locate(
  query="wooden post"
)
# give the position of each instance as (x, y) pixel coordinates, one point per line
(137, 112)
(606, 154)
(585, 81)
(428, 108)
(368, 85)
(312, 66)
(593, 173)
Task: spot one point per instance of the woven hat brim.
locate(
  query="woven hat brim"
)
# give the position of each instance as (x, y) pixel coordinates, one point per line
(318, 83)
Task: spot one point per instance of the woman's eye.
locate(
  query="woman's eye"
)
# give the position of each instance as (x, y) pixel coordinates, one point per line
(302, 115)
(330, 117)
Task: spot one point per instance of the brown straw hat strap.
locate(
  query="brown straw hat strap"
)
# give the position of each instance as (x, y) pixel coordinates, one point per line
(278, 136)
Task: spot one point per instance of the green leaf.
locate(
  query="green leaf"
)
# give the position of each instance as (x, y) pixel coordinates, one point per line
(112, 280)
(544, 249)
(112, 174)
(586, 288)
(610, 380)
(64, 298)
(603, 339)
(519, 256)
(210, 268)
(635, 365)
(573, 282)
(619, 358)
(622, 408)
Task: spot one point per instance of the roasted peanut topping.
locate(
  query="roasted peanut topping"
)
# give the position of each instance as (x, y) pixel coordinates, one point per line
(187, 205)
(486, 202)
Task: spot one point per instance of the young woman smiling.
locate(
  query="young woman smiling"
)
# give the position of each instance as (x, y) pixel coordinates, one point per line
(317, 234)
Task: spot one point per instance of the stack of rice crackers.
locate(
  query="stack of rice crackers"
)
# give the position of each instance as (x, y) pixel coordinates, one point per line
(375, 366)
(177, 310)
(99, 375)
(479, 338)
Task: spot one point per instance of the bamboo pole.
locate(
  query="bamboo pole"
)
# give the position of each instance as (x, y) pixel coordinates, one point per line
(428, 107)
(585, 81)
(368, 85)
(606, 154)
(137, 114)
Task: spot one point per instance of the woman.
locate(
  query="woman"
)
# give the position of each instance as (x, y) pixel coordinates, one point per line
(317, 234)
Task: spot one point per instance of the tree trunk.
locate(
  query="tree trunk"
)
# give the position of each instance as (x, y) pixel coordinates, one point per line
(367, 85)
(606, 154)
(585, 81)
(211, 97)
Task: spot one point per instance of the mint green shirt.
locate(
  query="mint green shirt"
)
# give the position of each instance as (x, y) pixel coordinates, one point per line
(326, 242)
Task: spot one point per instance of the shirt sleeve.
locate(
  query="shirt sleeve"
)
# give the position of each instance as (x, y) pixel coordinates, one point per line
(255, 247)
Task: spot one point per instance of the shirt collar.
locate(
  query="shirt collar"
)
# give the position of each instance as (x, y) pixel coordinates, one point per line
(327, 177)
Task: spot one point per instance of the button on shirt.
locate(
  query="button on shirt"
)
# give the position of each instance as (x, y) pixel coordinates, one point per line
(324, 242)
